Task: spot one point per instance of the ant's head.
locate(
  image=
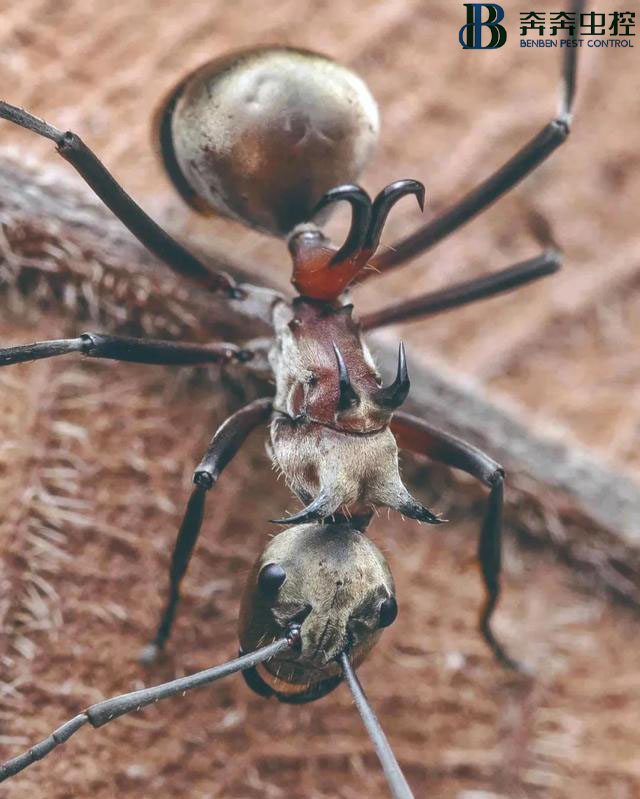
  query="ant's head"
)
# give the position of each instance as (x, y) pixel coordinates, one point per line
(261, 134)
(333, 586)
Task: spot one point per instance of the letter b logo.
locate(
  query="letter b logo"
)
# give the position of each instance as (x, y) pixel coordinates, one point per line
(471, 33)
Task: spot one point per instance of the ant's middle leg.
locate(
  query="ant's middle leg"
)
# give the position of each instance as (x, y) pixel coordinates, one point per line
(481, 288)
(124, 348)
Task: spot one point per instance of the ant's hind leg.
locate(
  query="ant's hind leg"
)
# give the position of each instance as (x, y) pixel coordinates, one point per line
(528, 158)
(97, 176)
(226, 442)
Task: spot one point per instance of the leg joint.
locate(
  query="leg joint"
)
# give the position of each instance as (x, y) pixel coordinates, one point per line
(69, 142)
(562, 125)
(204, 480)
(496, 478)
(90, 341)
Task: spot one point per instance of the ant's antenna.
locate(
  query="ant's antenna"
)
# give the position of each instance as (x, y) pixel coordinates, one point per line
(399, 786)
(104, 712)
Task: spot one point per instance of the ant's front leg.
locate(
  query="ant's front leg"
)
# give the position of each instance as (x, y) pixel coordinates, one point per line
(226, 442)
(417, 436)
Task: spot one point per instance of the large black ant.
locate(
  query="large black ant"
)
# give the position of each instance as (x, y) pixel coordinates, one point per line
(264, 136)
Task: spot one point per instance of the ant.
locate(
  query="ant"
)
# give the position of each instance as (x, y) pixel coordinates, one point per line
(268, 136)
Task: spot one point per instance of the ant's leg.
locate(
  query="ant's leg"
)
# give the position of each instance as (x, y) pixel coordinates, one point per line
(419, 437)
(226, 442)
(123, 348)
(152, 236)
(509, 175)
(463, 293)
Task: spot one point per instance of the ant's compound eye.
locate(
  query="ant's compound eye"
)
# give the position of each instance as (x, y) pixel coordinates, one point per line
(271, 578)
(388, 612)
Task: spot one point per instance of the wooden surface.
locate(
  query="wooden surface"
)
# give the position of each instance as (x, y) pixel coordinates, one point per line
(448, 117)
(95, 458)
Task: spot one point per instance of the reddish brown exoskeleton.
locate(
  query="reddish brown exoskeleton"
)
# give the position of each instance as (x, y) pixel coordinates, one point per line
(274, 137)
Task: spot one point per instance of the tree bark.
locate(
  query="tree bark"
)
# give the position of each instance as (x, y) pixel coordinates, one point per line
(60, 249)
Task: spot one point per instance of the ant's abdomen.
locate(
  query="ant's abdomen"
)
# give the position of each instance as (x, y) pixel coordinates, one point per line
(260, 135)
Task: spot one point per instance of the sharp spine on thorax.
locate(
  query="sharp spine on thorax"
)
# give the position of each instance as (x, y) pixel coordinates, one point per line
(330, 433)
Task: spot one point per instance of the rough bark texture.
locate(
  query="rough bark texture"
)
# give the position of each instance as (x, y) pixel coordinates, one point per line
(589, 512)
(95, 458)
(61, 479)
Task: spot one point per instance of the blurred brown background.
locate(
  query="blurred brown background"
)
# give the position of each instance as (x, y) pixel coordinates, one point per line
(95, 458)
